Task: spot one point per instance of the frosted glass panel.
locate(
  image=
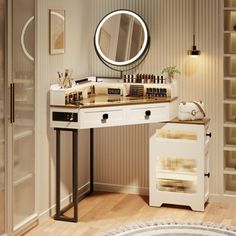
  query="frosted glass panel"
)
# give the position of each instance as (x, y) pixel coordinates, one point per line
(180, 186)
(176, 134)
(23, 138)
(2, 116)
(176, 164)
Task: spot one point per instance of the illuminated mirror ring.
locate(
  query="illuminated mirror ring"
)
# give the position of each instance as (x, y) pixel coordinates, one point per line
(23, 38)
(143, 47)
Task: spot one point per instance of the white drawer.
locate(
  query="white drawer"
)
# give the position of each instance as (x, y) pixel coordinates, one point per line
(103, 117)
(148, 113)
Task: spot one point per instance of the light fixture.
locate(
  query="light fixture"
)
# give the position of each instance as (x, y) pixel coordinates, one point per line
(194, 52)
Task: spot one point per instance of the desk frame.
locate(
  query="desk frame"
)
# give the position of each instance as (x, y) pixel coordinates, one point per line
(60, 212)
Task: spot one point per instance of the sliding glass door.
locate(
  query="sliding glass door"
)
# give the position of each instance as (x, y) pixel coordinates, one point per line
(17, 111)
(23, 81)
(2, 115)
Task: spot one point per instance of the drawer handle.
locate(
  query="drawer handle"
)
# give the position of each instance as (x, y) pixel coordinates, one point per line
(207, 175)
(104, 118)
(208, 134)
(147, 114)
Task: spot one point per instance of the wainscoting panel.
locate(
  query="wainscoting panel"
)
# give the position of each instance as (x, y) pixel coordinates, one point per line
(121, 154)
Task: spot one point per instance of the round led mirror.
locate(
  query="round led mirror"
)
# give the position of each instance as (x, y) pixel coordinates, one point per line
(121, 38)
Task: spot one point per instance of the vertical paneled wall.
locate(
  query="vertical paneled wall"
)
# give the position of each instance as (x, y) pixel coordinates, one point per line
(76, 58)
(121, 153)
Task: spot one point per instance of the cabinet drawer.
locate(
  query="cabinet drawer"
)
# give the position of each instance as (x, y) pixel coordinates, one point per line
(148, 114)
(94, 118)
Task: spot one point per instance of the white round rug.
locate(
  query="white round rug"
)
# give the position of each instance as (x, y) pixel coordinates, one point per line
(174, 229)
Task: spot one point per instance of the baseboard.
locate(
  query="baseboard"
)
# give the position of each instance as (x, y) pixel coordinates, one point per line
(64, 202)
(120, 188)
(105, 187)
(222, 198)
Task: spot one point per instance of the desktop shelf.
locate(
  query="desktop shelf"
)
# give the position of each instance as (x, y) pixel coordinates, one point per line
(230, 8)
(230, 171)
(230, 55)
(229, 147)
(230, 78)
(230, 124)
(230, 101)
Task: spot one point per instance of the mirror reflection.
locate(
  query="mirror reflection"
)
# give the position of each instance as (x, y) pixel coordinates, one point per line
(121, 37)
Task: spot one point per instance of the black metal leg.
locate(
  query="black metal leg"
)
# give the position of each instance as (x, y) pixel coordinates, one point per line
(91, 161)
(58, 172)
(59, 213)
(75, 174)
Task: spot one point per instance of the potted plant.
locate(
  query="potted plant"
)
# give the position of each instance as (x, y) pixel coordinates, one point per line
(170, 71)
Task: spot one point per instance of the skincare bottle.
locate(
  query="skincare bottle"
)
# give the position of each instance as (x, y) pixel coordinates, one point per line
(158, 92)
(143, 79)
(165, 92)
(162, 79)
(148, 79)
(137, 78)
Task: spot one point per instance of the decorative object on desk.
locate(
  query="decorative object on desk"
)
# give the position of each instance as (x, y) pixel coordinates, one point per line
(170, 71)
(191, 110)
(73, 97)
(66, 81)
(173, 228)
(136, 91)
(156, 92)
(92, 90)
(114, 91)
(57, 31)
(145, 79)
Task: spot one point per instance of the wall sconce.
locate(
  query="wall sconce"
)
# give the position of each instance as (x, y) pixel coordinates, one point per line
(194, 52)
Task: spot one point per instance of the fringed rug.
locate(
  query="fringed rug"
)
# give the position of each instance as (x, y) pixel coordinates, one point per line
(159, 228)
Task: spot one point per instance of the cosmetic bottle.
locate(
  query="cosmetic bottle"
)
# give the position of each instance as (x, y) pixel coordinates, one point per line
(142, 78)
(165, 92)
(162, 78)
(125, 79)
(149, 79)
(137, 78)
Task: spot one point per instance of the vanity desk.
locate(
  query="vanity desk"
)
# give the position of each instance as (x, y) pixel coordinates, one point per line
(121, 41)
(97, 111)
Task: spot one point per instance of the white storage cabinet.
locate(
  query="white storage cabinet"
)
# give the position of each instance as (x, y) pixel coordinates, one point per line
(179, 163)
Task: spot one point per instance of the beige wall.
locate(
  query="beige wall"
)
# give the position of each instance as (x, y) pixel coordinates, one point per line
(121, 154)
(75, 57)
(170, 24)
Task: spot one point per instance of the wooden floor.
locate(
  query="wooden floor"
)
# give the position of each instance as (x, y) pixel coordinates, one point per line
(102, 212)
